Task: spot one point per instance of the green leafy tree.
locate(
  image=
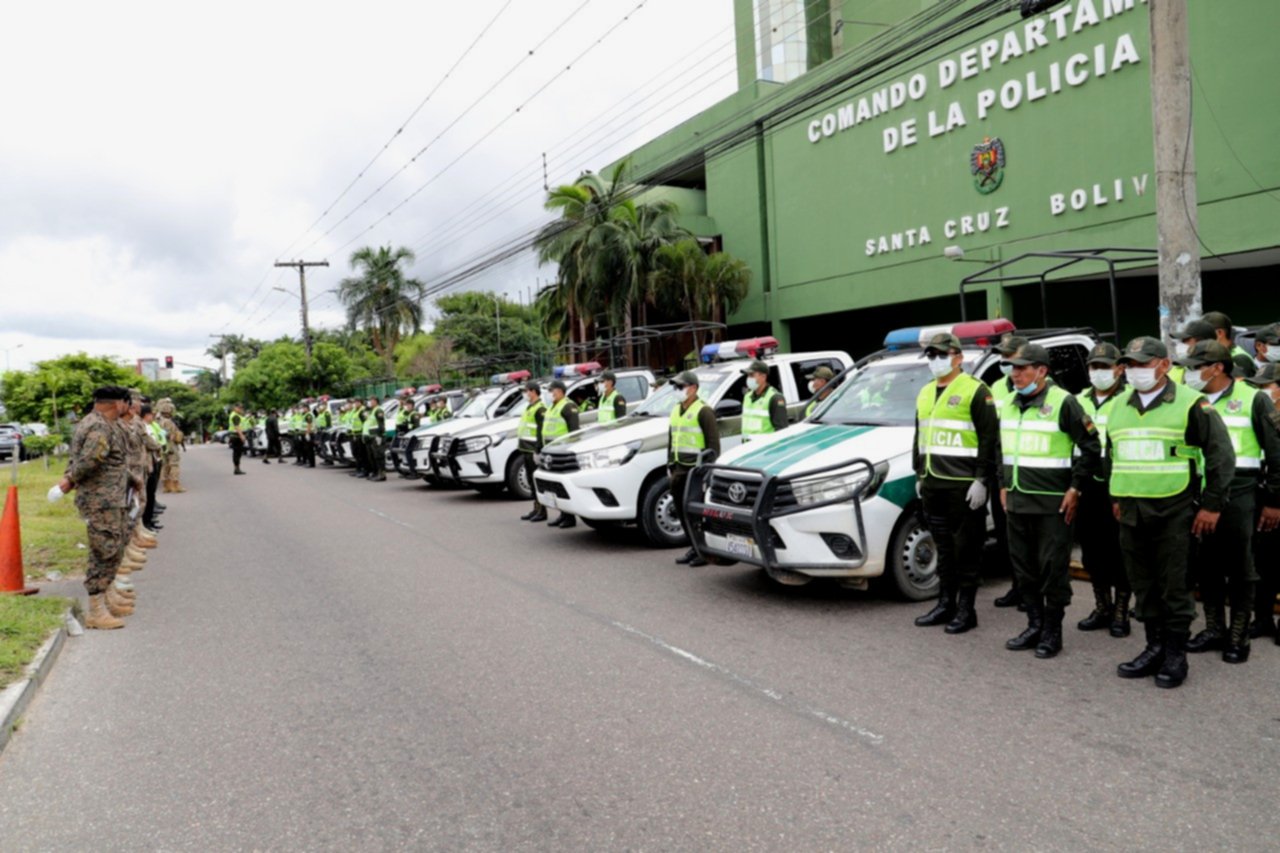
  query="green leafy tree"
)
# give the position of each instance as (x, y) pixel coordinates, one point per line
(483, 325)
(278, 376)
(382, 300)
(686, 280)
(59, 386)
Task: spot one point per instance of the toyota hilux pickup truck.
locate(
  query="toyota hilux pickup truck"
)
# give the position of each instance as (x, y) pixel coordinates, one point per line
(835, 496)
(616, 473)
(498, 400)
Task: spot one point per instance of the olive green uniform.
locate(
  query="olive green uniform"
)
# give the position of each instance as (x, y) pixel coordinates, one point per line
(677, 470)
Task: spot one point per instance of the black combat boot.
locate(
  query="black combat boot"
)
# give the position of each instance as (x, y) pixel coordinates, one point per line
(1010, 598)
(1237, 647)
(1031, 635)
(1151, 658)
(941, 612)
(1174, 670)
(1051, 636)
(1213, 638)
(1103, 610)
(528, 516)
(1263, 626)
(1120, 618)
(966, 618)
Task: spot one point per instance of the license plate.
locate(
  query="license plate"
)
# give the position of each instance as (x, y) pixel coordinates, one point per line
(740, 546)
(548, 500)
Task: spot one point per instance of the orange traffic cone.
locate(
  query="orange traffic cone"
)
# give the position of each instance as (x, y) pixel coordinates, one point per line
(11, 579)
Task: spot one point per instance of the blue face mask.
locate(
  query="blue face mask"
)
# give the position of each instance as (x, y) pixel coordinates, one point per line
(1029, 391)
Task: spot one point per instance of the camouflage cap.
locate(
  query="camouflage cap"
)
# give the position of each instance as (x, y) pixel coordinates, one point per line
(685, 379)
(1029, 354)
(823, 372)
(756, 367)
(1268, 374)
(1206, 352)
(1197, 329)
(1218, 320)
(1269, 335)
(943, 342)
(1144, 349)
(1010, 343)
(1104, 353)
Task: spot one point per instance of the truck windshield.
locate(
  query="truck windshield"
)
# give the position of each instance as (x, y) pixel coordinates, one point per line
(662, 401)
(474, 407)
(880, 395)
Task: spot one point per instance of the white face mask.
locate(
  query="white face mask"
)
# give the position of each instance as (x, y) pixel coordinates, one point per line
(1103, 380)
(753, 383)
(1141, 378)
(1181, 350)
(1195, 380)
(939, 365)
(813, 387)
(1006, 369)
(1273, 354)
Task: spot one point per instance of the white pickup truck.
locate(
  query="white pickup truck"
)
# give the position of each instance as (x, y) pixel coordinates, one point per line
(835, 496)
(486, 456)
(617, 473)
(503, 395)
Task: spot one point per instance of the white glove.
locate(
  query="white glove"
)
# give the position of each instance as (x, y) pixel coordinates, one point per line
(55, 494)
(977, 495)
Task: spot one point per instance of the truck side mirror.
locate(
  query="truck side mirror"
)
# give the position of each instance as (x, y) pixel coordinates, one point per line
(728, 409)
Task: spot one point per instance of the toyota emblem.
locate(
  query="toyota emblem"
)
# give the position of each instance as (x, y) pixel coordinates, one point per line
(737, 492)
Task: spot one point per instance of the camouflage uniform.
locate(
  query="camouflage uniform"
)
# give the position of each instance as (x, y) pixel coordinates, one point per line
(172, 464)
(99, 471)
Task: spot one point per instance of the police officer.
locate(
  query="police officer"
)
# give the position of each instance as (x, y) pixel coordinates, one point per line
(358, 416)
(560, 420)
(1224, 332)
(1051, 450)
(764, 409)
(954, 455)
(819, 382)
(324, 422)
(1003, 393)
(1098, 531)
(1266, 543)
(308, 437)
(613, 405)
(1223, 561)
(1162, 440)
(237, 424)
(530, 442)
(1267, 346)
(693, 430)
(1188, 336)
(375, 431)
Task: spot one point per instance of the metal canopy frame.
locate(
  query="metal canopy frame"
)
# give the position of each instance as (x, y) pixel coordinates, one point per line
(999, 273)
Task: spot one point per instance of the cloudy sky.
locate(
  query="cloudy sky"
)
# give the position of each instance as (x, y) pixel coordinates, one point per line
(159, 157)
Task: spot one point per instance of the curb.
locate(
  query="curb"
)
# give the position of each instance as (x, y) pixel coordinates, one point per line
(15, 698)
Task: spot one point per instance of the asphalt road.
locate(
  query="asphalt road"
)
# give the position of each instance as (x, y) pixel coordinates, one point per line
(322, 663)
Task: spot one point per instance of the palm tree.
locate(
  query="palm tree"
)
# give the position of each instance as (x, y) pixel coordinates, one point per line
(381, 300)
(685, 279)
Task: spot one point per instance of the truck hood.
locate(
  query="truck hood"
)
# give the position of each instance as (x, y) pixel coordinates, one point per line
(498, 426)
(600, 436)
(805, 447)
(440, 426)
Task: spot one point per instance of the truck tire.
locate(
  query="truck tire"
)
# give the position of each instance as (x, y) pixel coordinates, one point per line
(518, 479)
(286, 445)
(911, 563)
(658, 519)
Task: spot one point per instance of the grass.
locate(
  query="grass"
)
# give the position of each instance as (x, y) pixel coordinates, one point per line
(25, 623)
(53, 536)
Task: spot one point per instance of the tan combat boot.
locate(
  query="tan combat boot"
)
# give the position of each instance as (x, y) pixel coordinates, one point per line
(117, 605)
(142, 531)
(98, 616)
(128, 593)
(139, 542)
(167, 488)
(134, 553)
(177, 486)
(151, 532)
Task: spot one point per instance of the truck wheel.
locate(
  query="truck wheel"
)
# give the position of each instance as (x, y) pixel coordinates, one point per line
(518, 478)
(658, 519)
(911, 564)
(286, 446)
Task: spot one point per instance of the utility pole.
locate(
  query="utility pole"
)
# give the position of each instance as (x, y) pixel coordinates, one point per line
(1175, 157)
(222, 366)
(302, 287)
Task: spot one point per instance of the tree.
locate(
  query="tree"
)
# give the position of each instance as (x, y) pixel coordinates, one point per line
(686, 280)
(483, 325)
(381, 300)
(278, 376)
(238, 348)
(61, 385)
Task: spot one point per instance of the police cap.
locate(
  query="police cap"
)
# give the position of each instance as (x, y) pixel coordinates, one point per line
(1029, 354)
(685, 379)
(1009, 344)
(1268, 374)
(823, 372)
(756, 367)
(1104, 353)
(532, 385)
(943, 342)
(1144, 349)
(1207, 352)
(1218, 320)
(1200, 330)
(1269, 335)
(557, 385)
(609, 376)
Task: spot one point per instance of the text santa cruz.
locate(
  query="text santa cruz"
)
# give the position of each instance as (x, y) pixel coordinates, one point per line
(965, 225)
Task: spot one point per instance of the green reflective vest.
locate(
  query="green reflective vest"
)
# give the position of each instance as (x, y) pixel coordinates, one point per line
(947, 439)
(370, 423)
(1236, 408)
(553, 423)
(1037, 454)
(325, 419)
(528, 431)
(158, 433)
(607, 412)
(236, 421)
(1149, 456)
(687, 440)
(1002, 392)
(1100, 415)
(755, 414)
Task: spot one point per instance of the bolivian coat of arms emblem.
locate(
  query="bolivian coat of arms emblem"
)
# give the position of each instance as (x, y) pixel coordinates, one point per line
(986, 163)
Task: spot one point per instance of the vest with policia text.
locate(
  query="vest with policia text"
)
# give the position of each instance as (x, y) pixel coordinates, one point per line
(1037, 453)
(608, 414)
(553, 422)
(1236, 409)
(1149, 455)
(1100, 415)
(528, 432)
(687, 440)
(755, 413)
(947, 436)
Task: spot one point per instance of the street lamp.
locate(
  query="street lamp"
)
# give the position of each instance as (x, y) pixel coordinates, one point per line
(8, 350)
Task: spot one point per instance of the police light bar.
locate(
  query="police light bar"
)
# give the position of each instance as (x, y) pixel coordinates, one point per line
(982, 333)
(508, 378)
(432, 389)
(324, 398)
(586, 368)
(409, 391)
(747, 348)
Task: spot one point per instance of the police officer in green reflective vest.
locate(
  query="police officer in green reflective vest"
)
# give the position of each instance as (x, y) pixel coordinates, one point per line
(1224, 560)
(560, 420)
(764, 409)
(1003, 393)
(407, 417)
(1224, 332)
(1266, 542)
(1097, 530)
(308, 437)
(1170, 463)
(955, 457)
(375, 431)
(358, 416)
(1050, 451)
(612, 404)
(529, 435)
(324, 422)
(1188, 336)
(693, 430)
(819, 381)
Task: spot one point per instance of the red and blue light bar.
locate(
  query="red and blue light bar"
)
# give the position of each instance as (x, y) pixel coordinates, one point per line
(746, 348)
(982, 333)
(586, 368)
(508, 378)
(431, 389)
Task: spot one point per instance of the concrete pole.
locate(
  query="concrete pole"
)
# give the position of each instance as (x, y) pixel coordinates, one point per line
(1176, 214)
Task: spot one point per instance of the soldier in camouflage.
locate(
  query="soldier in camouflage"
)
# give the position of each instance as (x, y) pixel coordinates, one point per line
(171, 472)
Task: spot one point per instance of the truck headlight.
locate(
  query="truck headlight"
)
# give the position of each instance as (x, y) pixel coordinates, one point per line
(609, 457)
(838, 487)
(476, 443)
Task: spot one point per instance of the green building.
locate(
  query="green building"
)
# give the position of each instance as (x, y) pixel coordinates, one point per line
(879, 151)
